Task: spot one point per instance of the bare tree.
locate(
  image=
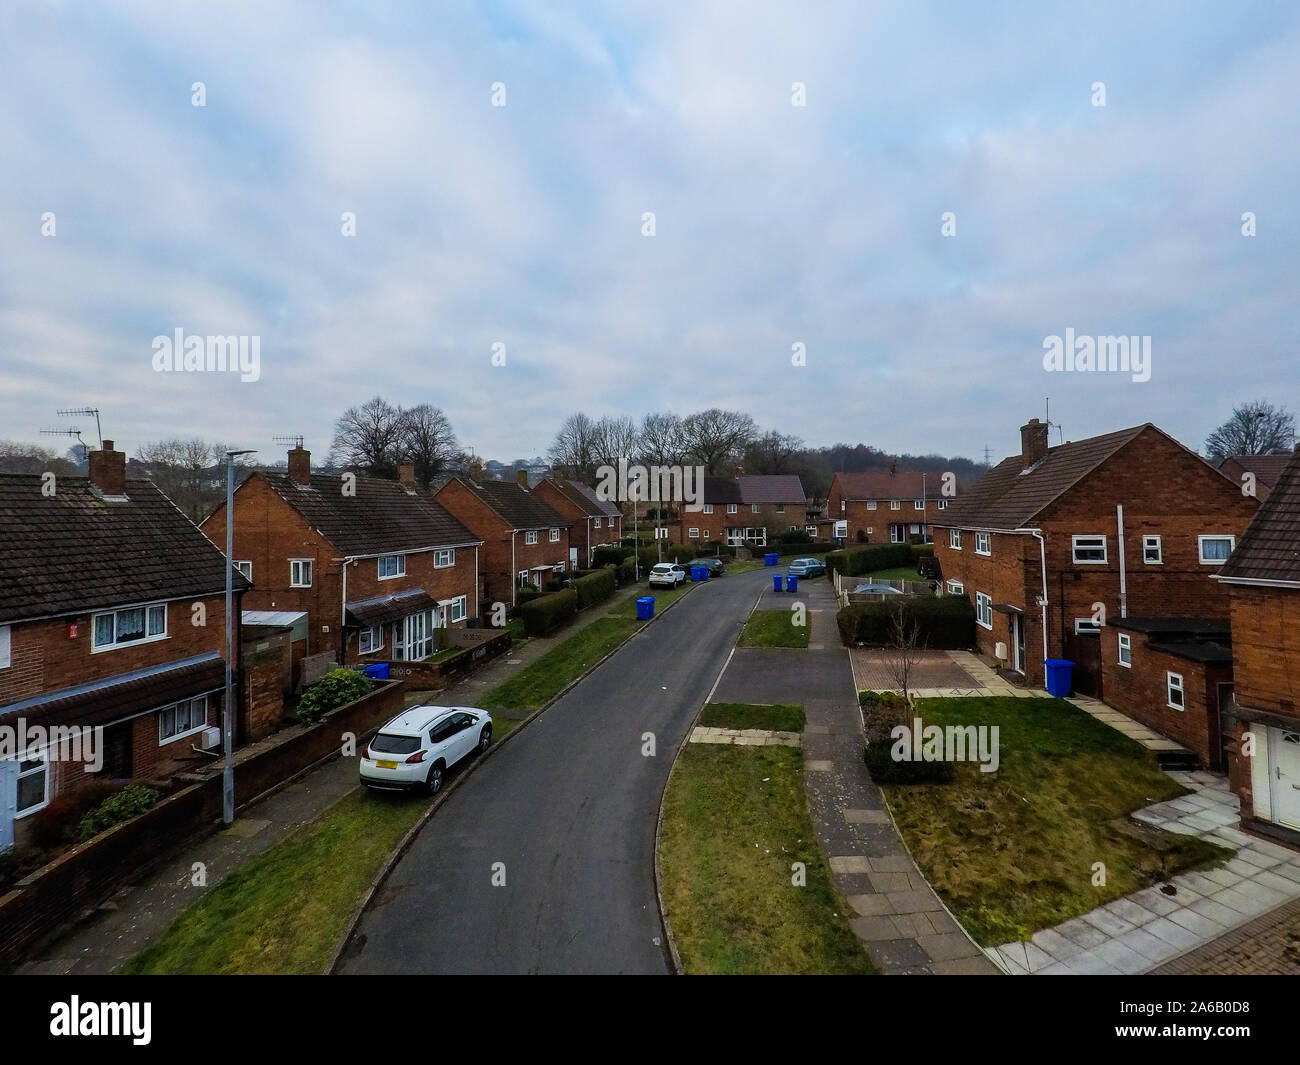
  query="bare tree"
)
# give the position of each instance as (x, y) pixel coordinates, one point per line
(614, 439)
(17, 457)
(903, 651)
(715, 438)
(773, 452)
(1255, 428)
(427, 441)
(573, 450)
(189, 472)
(369, 437)
(661, 441)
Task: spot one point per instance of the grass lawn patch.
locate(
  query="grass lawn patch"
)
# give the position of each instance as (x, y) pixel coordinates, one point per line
(745, 565)
(898, 573)
(536, 684)
(284, 911)
(664, 598)
(1013, 851)
(773, 628)
(774, 717)
(735, 820)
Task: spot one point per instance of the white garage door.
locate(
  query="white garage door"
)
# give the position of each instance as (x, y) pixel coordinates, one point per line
(1284, 749)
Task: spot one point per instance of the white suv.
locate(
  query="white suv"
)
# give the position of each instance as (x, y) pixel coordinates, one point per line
(417, 747)
(667, 573)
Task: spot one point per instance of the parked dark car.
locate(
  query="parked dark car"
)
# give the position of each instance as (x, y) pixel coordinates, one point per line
(714, 565)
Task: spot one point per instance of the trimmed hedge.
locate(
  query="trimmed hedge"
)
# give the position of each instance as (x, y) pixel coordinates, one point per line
(608, 555)
(862, 560)
(594, 588)
(946, 622)
(807, 547)
(549, 612)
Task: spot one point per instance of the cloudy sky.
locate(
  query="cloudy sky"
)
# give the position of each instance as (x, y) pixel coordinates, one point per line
(523, 225)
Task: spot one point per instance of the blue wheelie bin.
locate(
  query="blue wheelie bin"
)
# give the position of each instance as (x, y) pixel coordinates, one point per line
(1059, 674)
(645, 608)
(791, 582)
(771, 559)
(776, 582)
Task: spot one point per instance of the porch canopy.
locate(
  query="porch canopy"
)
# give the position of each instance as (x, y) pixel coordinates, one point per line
(386, 608)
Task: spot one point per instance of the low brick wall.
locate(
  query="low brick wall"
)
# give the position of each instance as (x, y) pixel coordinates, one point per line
(85, 875)
(480, 646)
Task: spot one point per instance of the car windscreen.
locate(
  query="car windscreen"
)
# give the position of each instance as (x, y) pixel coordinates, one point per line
(387, 743)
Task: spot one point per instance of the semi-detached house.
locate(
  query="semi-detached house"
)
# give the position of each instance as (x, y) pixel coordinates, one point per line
(741, 511)
(112, 618)
(376, 566)
(889, 506)
(593, 522)
(1052, 542)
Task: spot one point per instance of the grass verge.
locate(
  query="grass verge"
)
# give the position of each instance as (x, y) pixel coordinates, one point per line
(773, 628)
(284, 911)
(735, 820)
(773, 717)
(1014, 851)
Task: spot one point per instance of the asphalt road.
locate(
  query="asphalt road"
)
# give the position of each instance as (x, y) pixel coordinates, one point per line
(566, 811)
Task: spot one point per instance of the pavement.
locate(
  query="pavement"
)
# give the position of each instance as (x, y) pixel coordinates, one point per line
(901, 921)
(542, 861)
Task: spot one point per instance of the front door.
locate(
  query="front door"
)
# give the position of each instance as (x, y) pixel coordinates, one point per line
(8, 803)
(117, 751)
(1284, 752)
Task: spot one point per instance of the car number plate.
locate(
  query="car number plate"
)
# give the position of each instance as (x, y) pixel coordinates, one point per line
(386, 765)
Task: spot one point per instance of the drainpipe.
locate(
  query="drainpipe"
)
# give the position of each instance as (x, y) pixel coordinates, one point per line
(514, 574)
(1123, 582)
(1037, 534)
(343, 615)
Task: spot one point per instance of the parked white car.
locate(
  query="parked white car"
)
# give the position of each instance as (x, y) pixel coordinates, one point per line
(416, 748)
(665, 573)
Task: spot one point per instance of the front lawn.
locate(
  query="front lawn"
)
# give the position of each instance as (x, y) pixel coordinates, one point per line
(1013, 851)
(285, 910)
(773, 628)
(735, 821)
(772, 717)
(537, 684)
(897, 573)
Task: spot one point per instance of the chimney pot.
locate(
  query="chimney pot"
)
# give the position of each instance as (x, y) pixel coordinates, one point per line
(108, 470)
(406, 474)
(300, 466)
(476, 470)
(522, 477)
(1033, 442)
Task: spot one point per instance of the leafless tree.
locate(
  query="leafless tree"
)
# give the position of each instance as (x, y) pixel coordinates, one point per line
(715, 438)
(427, 441)
(614, 439)
(573, 451)
(369, 437)
(1255, 428)
(660, 441)
(190, 472)
(904, 649)
(773, 452)
(17, 457)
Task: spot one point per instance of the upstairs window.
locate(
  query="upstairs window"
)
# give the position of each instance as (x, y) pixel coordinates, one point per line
(1125, 649)
(984, 610)
(1089, 550)
(1174, 691)
(731, 508)
(1214, 550)
(530, 537)
(245, 568)
(1152, 552)
(871, 504)
(300, 573)
(895, 504)
(117, 628)
(391, 566)
(444, 557)
(983, 543)
(555, 536)
(954, 539)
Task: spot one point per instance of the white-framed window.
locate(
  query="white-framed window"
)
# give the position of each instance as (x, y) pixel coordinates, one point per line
(522, 577)
(1126, 650)
(943, 504)
(918, 504)
(708, 508)
(1088, 550)
(707, 534)
(1174, 690)
(530, 536)
(870, 530)
(1086, 627)
(596, 522)
(1214, 550)
(753, 508)
(299, 573)
(956, 588)
(984, 610)
(182, 719)
(137, 624)
(459, 608)
(871, 504)
(33, 785)
(983, 543)
(391, 566)
(897, 534)
(895, 504)
(693, 534)
(1152, 551)
(371, 639)
(444, 557)
(555, 536)
(780, 508)
(6, 658)
(558, 567)
(245, 568)
(731, 508)
(954, 539)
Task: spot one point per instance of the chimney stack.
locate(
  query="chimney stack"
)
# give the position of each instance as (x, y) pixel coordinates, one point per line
(522, 477)
(476, 471)
(406, 474)
(1033, 442)
(108, 470)
(300, 466)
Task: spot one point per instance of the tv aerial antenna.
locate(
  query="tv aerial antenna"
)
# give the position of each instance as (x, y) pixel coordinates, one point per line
(84, 412)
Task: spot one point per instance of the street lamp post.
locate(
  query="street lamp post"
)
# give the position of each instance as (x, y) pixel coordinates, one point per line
(228, 709)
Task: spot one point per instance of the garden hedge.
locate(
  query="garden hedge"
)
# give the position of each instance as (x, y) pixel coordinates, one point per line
(946, 622)
(549, 612)
(609, 555)
(594, 587)
(861, 560)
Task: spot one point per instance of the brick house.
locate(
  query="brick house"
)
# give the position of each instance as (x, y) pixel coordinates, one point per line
(525, 539)
(1174, 675)
(376, 566)
(1054, 540)
(112, 617)
(884, 506)
(592, 521)
(1264, 469)
(1263, 581)
(741, 511)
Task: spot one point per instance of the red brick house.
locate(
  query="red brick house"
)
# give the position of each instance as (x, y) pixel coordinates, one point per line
(1055, 540)
(592, 521)
(112, 625)
(1174, 675)
(1264, 470)
(885, 506)
(741, 511)
(377, 567)
(525, 540)
(1263, 581)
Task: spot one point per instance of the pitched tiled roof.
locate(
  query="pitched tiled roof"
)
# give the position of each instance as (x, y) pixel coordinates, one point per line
(585, 497)
(881, 484)
(72, 551)
(381, 517)
(522, 508)
(771, 488)
(1270, 547)
(721, 490)
(1266, 468)
(1007, 498)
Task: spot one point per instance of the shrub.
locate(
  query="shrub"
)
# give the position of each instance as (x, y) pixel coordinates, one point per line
(625, 573)
(332, 690)
(679, 553)
(608, 554)
(869, 559)
(549, 612)
(881, 713)
(130, 802)
(795, 536)
(945, 622)
(594, 588)
(57, 823)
